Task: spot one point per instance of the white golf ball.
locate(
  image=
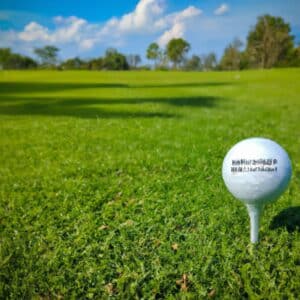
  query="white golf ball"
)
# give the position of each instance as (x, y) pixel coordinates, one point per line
(256, 171)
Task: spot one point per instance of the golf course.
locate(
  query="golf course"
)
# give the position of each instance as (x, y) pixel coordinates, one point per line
(111, 185)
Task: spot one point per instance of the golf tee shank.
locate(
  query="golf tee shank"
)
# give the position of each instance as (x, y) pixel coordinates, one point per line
(254, 214)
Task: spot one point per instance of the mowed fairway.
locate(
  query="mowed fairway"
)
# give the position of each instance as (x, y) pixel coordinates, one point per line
(110, 185)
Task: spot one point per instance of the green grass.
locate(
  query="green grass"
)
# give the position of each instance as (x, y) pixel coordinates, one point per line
(110, 185)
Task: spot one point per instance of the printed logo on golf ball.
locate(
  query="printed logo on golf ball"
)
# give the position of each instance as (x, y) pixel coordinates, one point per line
(256, 171)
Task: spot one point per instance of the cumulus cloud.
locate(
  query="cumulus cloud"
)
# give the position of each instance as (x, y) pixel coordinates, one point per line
(176, 31)
(222, 9)
(143, 19)
(177, 23)
(149, 18)
(70, 29)
(145, 13)
(189, 12)
(87, 44)
(34, 31)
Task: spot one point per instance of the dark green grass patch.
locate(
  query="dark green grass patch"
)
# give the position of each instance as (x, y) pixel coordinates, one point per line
(110, 185)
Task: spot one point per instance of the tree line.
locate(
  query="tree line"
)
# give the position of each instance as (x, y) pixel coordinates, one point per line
(269, 44)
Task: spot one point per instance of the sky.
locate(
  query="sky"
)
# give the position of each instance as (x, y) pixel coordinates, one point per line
(86, 28)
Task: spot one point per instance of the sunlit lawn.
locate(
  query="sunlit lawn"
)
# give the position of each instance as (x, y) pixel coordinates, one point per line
(110, 184)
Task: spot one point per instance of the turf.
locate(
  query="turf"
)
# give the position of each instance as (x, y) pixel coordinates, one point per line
(110, 185)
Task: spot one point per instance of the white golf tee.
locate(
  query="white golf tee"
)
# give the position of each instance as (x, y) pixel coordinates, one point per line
(254, 214)
(256, 171)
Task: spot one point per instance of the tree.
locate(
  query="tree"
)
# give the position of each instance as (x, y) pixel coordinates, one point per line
(297, 57)
(292, 59)
(176, 50)
(96, 63)
(232, 57)
(47, 55)
(154, 53)
(193, 64)
(269, 42)
(10, 60)
(114, 60)
(23, 62)
(133, 60)
(5, 54)
(209, 61)
(73, 64)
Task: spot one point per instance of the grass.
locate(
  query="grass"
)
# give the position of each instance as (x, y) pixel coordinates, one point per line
(110, 185)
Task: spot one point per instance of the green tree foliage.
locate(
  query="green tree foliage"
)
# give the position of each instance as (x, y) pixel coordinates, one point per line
(133, 60)
(96, 64)
(297, 57)
(73, 64)
(154, 53)
(232, 57)
(10, 60)
(193, 63)
(209, 61)
(47, 55)
(292, 59)
(114, 60)
(269, 43)
(176, 50)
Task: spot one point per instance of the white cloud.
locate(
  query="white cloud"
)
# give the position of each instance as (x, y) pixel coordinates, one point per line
(181, 16)
(87, 44)
(58, 20)
(140, 21)
(148, 19)
(222, 9)
(34, 31)
(177, 23)
(72, 30)
(144, 14)
(177, 31)
(189, 12)
(69, 30)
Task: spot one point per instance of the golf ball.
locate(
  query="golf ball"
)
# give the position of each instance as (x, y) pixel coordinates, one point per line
(256, 170)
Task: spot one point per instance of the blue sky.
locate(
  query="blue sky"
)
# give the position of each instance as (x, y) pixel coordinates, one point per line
(86, 28)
